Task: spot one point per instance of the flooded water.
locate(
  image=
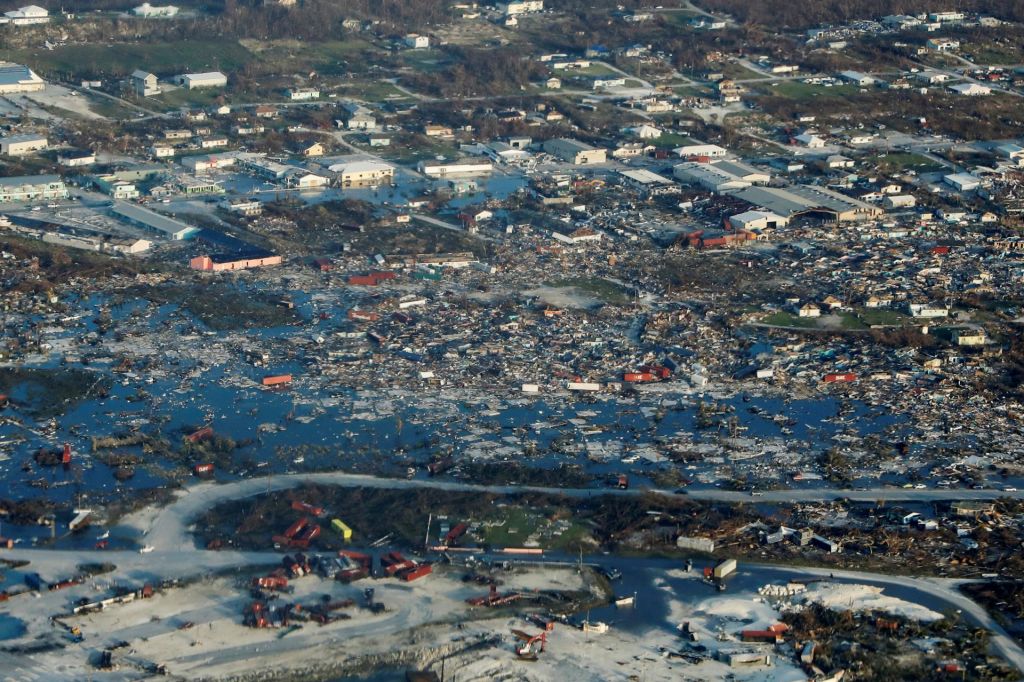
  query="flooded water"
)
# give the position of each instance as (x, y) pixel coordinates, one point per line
(318, 425)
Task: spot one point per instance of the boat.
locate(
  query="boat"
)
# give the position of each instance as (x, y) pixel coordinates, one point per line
(597, 627)
(625, 601)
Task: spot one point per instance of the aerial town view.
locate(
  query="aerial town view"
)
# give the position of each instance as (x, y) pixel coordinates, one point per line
(541, 340)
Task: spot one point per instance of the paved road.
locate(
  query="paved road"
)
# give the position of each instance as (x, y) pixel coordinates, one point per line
(168, 528)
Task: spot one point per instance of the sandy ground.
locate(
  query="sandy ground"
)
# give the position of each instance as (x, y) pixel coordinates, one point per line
(840, 597)
(54, 96)
(420, 614)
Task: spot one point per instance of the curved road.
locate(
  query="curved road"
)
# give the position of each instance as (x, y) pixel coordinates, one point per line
(168, 528)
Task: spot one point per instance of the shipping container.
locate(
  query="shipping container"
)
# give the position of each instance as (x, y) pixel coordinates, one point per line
(363, 281)
(832, 378)
(637, 377)
(343, 530)
(455, 533)
(277, 380)
(725, 568)
(203, 469)
(582, 386)
(300, 506)
(417, 572)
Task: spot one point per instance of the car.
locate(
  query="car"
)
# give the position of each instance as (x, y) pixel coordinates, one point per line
(147, 549)
(920, 486)
(1009, 489)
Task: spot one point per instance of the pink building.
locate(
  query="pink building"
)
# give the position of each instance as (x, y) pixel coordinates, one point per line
(220, 264)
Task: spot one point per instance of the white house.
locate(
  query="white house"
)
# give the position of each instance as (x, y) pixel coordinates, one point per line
(416, 41)
(645, 132)
(943, 44)
(810, 140)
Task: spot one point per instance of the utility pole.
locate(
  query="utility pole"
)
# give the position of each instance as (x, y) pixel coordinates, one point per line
(426, 535)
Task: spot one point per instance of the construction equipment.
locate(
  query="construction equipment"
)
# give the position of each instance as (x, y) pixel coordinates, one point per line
(531, 646)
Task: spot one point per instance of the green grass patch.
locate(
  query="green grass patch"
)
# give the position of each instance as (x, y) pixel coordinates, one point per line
(176, 99)
(119, 60)
(991, 54)
(737, 71)
(295, 56)
(594, 69)
(373, 91)
(851, 322)
(798, 90)
(881, 316)
(893, 163)
(602, 289)
(671, 141)
(419, 148)
(784, 319)
(425, 61)
(110, 108)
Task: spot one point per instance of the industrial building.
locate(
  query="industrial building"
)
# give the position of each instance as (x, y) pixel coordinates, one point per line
(20, 145)
(357, 173)
(648, 182)
(575, 152)
(32, 188)
(757, 220)
(206, 162)
(711, 151)
(150, 220)
(808, 199)
(26, 16)
(709, 176)
(441, 170)
(221, 262)
(210, 79)
(15, 78)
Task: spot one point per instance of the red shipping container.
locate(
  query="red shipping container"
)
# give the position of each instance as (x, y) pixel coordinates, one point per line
(637, 377)
(277, 380)
(416, 573)
(363, 281)
(296, 528)
(833, 378)
(203, 469)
